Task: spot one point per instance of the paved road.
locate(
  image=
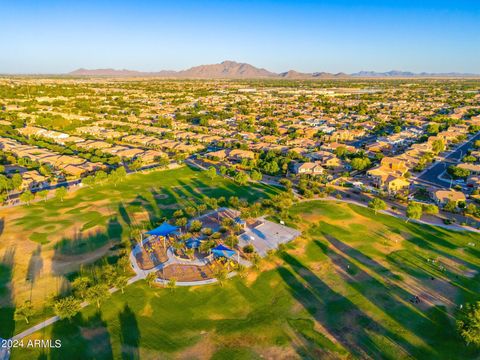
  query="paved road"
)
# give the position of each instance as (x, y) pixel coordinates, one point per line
(431, 175)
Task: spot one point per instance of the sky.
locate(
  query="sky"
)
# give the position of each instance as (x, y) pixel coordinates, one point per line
(333, 36)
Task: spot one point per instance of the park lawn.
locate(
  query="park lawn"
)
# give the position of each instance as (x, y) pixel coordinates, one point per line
(341, 290)
(91, 221)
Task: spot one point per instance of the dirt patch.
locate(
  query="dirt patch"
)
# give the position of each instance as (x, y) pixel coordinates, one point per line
(64, 264)
(160, 196)
(280, 353)
(92, 333)
(147, 310)
(203, 349)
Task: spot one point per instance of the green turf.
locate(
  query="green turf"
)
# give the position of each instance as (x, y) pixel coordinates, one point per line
(360, 311)
(153, 192)
(41, 238)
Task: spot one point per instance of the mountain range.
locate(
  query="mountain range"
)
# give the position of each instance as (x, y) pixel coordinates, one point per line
(234, 70)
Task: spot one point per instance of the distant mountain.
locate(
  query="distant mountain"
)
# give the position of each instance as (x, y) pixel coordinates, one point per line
(292, 74)
(235, 70)
(226, 69)
(406, 74)
(119, 73)
(104, 72)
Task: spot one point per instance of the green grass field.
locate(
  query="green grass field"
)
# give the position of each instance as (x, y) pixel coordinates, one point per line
(342, 290)
(43, 243)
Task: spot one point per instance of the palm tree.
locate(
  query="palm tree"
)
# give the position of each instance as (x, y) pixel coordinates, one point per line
(172, 284)
(221, 274)
(151, 278)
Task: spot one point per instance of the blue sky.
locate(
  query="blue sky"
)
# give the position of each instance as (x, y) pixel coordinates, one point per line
(349, 36)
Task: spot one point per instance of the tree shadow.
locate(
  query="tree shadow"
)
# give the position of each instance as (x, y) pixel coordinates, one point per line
(82, 338)
(2, 225)
(124, 215)
(7, 308)
(129, 333)
(356, 331)
(35, 265)
(71, 253)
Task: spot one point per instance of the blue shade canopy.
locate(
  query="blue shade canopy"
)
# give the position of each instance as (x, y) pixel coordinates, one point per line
(193, 243)
(163, 230)
(222, 251)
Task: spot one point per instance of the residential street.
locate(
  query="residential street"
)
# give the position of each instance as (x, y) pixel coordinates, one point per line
(430, 176)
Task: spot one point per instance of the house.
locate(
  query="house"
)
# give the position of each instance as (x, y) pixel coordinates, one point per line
(313, 168)
(394, 164)
(389, 175)
(473, 168)
(394, 184)
(239, 155)
(217, 155)
(473, 182)
(33, 180)
(326, 158)
(441, 197)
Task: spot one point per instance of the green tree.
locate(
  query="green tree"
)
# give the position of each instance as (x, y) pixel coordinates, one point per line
(433, 128)
(43, 194)
(360, 163)
(458, 172)
(190, 211)
(67, 307)
(88, 180)
(24, 311)
(97, 294)
(195, 226)
(201, 208)
(241, 178)
(172, 284)
(108, 275)
(471, 209)
(27, 197)
(181, 221)
(256, 175)
(151, 278)
(211, 172)
(80, 286)
(242, 271)
(60, 193)
(377, 204)
(341, 151)
(431, 209)
(231, 241)
(468, 324)
(414, 211)
(438, 146)
(469, 159)
(450, 206)
(162, 161)
(136, 165)
(221, 274)
(120, 282)
(17, 181)
(178, 213)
